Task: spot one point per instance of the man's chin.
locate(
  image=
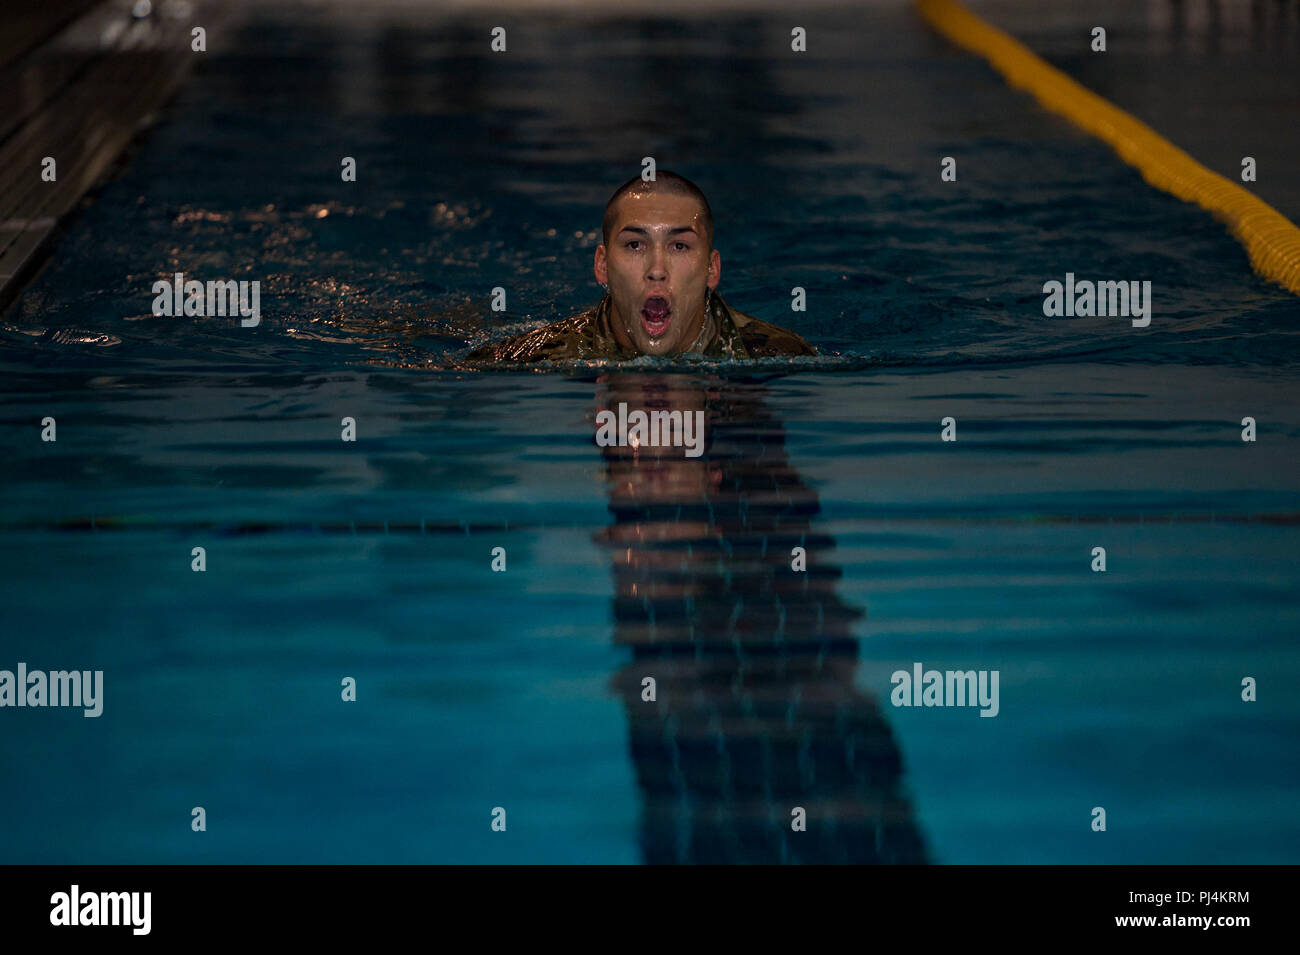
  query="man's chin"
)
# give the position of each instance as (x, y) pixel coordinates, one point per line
(657, 346)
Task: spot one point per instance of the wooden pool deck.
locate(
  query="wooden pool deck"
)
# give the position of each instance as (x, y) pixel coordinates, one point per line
(78, 80)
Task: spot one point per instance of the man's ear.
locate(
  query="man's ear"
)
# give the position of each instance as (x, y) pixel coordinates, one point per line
(715, 268)
(602, 273)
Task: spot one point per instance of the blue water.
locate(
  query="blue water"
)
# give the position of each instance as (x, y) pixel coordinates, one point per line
(522, 689)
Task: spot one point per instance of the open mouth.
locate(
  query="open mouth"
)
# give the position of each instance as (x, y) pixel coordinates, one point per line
(656, 316)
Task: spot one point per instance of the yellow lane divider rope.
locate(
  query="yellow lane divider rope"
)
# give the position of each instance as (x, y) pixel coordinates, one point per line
(1271, 240)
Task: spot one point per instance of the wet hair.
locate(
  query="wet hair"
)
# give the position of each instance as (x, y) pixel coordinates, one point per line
(666, 181)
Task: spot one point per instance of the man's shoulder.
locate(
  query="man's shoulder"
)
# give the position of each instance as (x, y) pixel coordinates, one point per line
(558, 340)
(763, 339)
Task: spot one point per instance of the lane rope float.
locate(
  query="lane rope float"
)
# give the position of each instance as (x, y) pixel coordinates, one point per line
(1271, 240)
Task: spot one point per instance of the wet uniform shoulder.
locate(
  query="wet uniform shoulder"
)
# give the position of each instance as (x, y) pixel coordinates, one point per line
(568, 338)
(764, 340)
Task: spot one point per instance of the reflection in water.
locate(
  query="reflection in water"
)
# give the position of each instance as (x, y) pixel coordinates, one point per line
(756, 711)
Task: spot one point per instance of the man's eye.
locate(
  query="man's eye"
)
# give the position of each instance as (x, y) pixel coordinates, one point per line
(684, 245)
(632, 242)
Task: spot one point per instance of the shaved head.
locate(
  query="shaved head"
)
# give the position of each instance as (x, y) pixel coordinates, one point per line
(664, 181)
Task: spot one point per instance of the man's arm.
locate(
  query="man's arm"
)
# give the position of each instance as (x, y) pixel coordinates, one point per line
(554, 342)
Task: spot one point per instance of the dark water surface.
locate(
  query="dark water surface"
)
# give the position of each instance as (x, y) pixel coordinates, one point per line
(523, 689)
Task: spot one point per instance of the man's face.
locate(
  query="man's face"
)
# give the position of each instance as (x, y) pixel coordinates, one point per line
(658, 266)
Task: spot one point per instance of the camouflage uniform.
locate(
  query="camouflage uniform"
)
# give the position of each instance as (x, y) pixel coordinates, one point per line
(726, 333)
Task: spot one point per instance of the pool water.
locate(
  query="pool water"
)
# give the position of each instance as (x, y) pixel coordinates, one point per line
(524, 688)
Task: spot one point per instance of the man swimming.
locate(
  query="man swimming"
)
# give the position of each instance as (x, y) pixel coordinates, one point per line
(660, 272)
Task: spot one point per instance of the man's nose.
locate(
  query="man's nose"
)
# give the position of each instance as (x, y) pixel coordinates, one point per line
(656, 268)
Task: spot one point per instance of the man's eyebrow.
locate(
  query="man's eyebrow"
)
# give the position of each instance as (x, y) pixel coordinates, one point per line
(642, 230)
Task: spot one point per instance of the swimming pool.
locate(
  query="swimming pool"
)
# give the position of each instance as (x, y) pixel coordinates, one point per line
(523, 689)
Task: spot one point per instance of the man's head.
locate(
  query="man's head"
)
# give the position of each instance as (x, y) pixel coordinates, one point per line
(659, 262)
